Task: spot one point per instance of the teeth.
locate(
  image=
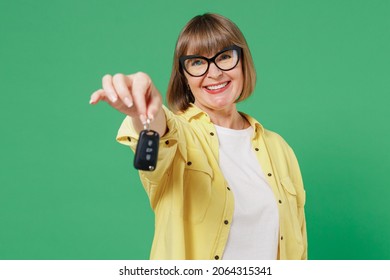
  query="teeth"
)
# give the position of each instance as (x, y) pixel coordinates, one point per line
(216, 86)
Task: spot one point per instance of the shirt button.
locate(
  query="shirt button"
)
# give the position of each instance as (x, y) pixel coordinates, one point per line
(256, 149)
(189, 163)
(216, 257)
(212, 133)
(280, 201)
(128, 138)
(228, 188)
(167, 142)
(269, 174)
(281, 238)
(226, 222)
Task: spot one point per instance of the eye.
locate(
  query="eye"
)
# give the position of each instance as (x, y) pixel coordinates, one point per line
(224, 56)
(196, 62)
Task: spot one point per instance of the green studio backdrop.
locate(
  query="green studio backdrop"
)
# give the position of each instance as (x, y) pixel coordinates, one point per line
(69, 191)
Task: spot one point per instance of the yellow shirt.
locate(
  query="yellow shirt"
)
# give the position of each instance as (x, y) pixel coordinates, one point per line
(192, 202)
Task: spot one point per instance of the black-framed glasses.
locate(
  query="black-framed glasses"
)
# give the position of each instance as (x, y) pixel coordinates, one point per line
(226, 59)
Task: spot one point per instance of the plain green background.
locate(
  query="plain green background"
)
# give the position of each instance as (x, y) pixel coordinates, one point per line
(69, 191)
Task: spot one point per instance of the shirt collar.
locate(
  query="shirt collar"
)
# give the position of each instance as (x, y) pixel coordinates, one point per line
(257, 127)
(193, 112)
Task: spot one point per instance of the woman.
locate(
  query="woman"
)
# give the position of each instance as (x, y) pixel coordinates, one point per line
(224, 186)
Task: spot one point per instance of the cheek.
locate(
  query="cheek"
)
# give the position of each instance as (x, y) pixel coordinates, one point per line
(194, 83)
(242, 84)
(240, 81)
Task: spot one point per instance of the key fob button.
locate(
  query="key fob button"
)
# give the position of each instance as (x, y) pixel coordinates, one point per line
(146, 153)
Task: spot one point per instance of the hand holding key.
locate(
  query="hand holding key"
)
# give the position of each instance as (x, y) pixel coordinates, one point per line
(134, 95)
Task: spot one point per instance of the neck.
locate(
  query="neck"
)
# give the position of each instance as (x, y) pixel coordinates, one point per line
(228, 118)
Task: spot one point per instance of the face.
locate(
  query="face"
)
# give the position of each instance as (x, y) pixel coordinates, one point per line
(217, 90)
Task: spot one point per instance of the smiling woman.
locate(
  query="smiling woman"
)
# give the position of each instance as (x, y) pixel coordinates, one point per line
(224, 187)
(208, 35)
(216, 87)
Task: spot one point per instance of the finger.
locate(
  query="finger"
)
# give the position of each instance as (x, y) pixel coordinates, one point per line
(154, 104)
(109, 89)
(97, 96)
(121, 85)
(140, 92)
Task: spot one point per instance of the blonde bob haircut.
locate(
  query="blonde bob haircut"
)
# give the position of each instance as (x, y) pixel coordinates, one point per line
(207, 34)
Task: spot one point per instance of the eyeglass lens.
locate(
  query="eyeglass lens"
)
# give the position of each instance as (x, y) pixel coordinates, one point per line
(197, 66)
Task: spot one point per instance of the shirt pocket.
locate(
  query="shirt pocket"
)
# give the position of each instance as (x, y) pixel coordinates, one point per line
(198, 177)
(293, 205)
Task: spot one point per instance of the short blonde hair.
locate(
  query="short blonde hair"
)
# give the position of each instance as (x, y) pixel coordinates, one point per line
(207, 33)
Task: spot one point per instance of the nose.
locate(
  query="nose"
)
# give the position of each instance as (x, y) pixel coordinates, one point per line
(214, 72)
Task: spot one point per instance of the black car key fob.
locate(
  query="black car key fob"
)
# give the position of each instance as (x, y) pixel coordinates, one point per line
(146, 152)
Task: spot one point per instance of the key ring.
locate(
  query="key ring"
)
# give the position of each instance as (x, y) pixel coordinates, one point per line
(147, 124)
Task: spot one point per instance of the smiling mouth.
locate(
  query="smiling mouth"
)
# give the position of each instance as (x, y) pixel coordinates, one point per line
(217, 87)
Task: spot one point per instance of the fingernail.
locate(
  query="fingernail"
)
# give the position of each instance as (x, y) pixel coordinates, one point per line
(151, 117)
(128, 102)
(91, 101)
(143, 119)
(113, 98)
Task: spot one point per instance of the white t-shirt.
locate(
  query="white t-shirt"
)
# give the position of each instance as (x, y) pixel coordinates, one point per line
(255, 226)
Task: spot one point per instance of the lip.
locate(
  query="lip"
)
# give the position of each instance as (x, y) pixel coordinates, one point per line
(216, 91)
